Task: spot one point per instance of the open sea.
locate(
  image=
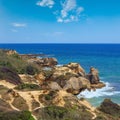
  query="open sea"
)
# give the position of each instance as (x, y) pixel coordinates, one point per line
(104, 57)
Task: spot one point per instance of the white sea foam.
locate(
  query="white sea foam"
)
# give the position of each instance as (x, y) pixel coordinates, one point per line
(105, 91)
(59, 65)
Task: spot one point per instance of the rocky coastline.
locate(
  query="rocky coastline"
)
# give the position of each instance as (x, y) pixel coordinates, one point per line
(35, 88)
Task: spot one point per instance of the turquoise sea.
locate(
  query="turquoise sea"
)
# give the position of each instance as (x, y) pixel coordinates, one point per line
(104, 57)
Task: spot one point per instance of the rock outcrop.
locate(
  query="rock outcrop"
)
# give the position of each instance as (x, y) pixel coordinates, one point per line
(76, 68)
(76, 85)
(43, 62)
(93, 76)
(70, 77)
(50, 93)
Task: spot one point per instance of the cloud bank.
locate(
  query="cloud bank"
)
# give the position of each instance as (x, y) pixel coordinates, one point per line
(69, 10)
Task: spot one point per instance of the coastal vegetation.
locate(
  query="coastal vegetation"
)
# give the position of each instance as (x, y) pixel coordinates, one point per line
(14, 115)
(16, 63)
(34, 88)
(27, 87)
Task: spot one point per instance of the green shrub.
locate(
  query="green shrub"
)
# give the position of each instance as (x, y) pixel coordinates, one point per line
(62, 113)
(47, 73)
(28, 87)
(14, 115)
(48, 97)
(31, 70)
(17, 63)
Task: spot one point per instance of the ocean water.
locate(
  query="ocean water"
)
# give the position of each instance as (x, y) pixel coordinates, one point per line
(104, 57)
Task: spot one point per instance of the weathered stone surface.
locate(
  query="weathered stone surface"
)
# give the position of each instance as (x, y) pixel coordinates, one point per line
(76, 68)
(8, 52)
(49, 62)
(98, 85)
(54, 86)
(75, 85)
(25, 78)
(40, 77)
(111, 108)
(93, 76)
(58, 71)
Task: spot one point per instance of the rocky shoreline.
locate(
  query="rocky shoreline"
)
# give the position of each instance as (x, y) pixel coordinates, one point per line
(48, 91)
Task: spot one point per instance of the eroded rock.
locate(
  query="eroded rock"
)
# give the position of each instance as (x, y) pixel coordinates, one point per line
(93, 76)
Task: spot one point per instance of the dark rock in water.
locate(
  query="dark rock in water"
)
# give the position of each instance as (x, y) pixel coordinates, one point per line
(110, 108)
(93, 76)
(9, 75)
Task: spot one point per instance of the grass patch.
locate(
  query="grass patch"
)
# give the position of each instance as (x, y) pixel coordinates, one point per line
(28, 87)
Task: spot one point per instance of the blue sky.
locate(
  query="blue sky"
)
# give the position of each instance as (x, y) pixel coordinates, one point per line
(59, 21)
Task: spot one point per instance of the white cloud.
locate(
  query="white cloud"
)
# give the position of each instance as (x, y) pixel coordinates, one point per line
(19, 24)
(60, 20)
(70, 12)
(46, 3)
(79, 10)
(68, 6)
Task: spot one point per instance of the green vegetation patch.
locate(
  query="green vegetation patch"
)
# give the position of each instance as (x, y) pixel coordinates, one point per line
(17, 63)
(47, 99)
(61, 113)
(15, 115)
(27, 87)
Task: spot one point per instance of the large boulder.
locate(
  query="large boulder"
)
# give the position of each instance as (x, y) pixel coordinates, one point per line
(50, 61)
(93, 76)
(76, 85)
(54, 86)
